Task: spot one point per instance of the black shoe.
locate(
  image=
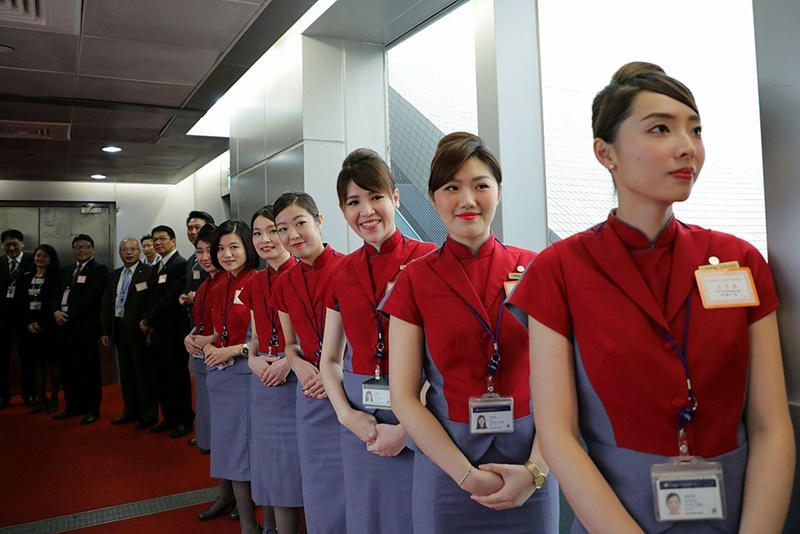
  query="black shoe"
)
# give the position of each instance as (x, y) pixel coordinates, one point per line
(205, 451)
(29, 401)
(89, 418)
(121, 420)
(217, 509)
(163, 426)
(192, 442)
(38, 408)
(180, 431)
(52, 405)
(145, 423)
(234, 515)
(63, 415)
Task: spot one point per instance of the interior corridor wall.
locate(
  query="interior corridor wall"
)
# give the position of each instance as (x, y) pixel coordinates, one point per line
(776, 23)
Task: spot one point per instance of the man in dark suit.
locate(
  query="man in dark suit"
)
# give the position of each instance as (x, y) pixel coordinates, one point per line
(76, 305)
(13, 265)
(164, 321)
(122, 311)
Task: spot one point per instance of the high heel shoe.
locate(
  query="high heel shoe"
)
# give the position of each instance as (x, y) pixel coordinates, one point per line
(52, 405)
(217, 509)
(37, 408)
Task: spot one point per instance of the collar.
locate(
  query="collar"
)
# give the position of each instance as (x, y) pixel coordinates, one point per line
(636, 241)
(464, 253)
(283, 266)
(321, 260)
(165, 259)
(386, 247)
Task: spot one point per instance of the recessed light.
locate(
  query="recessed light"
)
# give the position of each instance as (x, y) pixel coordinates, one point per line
(99, 176)
(112, 149)
(6, 48)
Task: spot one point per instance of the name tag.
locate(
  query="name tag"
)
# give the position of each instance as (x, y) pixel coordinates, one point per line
(81, 279)
(375, 394)
(162, 278)
(141, 286)
(119, 312)
(726, 288)
(36, 305)
(491, 414)
(10, 292)
(690, 491)
(195, 275)
(236, 299)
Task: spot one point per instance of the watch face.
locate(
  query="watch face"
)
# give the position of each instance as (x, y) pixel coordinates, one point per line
(540, 480)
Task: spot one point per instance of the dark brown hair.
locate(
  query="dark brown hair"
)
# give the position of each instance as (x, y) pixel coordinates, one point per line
(290, 198)
(453, 151)
(367, 169)
(613, 104)
(241, 229)
(265, 212)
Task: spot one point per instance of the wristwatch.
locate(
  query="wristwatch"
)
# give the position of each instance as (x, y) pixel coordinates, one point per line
(539, 478)
(245, 350)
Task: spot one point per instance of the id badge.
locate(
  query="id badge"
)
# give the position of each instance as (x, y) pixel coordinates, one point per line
(119, 312)
(693, 491)
(375, 394)
(10, 292)
(195, 275)
(65, 301)
(225, 364)
(36, 305)
(726, 288)
(491, 414)
(162, 278)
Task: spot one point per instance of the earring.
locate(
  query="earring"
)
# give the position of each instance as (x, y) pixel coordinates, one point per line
(612, 167)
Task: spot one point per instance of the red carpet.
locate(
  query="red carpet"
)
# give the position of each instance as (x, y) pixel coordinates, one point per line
(55, 468)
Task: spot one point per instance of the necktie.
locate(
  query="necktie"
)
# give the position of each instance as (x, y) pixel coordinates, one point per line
(75, 273)
(123, 291)
(160, 265)
(13, 269)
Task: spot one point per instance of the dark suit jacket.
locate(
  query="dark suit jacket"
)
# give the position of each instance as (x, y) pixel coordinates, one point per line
(134, 304)
(10, 308)
(85, 296)
(162, 311)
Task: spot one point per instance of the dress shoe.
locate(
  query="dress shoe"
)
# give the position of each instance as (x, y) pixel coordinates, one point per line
(63, 415)
(234, 515)
(192, 442)
(205, 451)
(38, 408)
(89, 418)
(29, 401)
(52, 405)
(180, 431)
(217, 509)
(163, 426)
(121, 420)
(145, 423)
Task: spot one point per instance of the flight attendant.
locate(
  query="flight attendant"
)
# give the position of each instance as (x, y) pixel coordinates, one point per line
(202, 334)
(449, 327)
(228, 378)
(274, 464)
(296, 296)
(378, 468)
(637, 343)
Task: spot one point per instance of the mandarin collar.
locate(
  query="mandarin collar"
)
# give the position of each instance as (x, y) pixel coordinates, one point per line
(291, 261)
(464, 253)
(636, 240)
(321, 260)
(386, 247)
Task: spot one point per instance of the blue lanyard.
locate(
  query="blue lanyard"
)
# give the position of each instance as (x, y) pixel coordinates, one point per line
(226, 310)
(379, 347)
(315, 326)
(687, 413)
(494, 362)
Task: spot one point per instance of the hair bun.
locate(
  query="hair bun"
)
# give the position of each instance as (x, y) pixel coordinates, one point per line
(635, 69)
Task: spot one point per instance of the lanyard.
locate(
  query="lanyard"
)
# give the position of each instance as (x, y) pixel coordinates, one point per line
(379, 346)
(226, 310)
(271, 317)
(315, 325)
(201, 306)
(494, 362)
(687, 413)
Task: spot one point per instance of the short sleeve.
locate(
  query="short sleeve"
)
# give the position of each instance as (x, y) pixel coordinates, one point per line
(764, 282)
(328, 291)
(401, 302)
(277, 298)
(541, 293)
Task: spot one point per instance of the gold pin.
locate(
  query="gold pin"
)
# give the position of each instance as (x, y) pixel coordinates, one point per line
(713, 260)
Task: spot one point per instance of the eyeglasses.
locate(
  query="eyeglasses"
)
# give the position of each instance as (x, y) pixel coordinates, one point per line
(81, 247)
(161, 239)
(129, 249)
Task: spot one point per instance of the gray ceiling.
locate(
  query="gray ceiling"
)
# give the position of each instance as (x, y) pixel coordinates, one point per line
(132, 73)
